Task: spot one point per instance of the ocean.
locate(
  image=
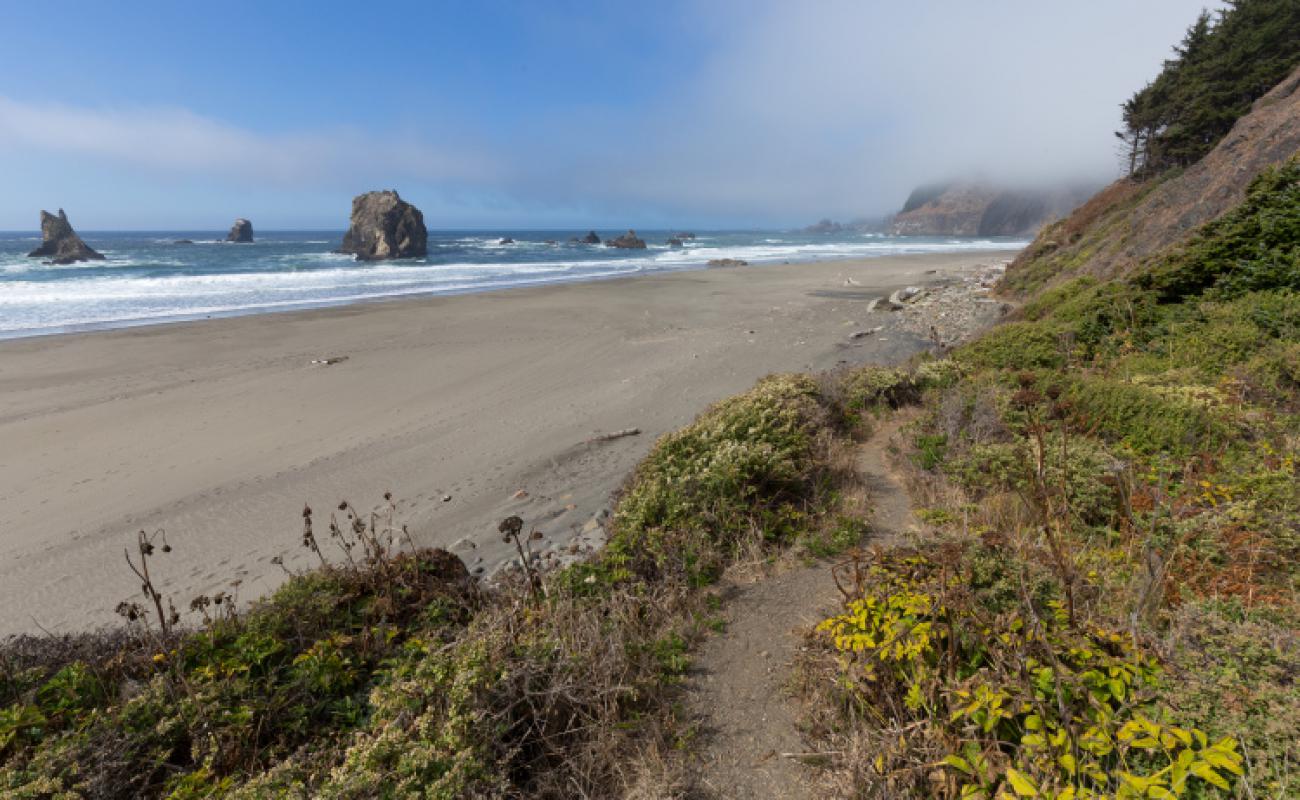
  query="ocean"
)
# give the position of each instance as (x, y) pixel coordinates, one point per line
(148, 277)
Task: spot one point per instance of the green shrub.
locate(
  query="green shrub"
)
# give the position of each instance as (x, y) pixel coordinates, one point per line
(746, 465)
(1144, 419)
(1014, 345)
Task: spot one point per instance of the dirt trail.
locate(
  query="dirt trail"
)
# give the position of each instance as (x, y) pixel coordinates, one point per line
(748, 721)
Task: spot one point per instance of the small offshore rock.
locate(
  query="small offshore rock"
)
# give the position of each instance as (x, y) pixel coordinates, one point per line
(183, 241)
(590, 238)
(674, 242)
(60, 243)
(506, 240)
(384, 226)
(628, 241)
(241, 232)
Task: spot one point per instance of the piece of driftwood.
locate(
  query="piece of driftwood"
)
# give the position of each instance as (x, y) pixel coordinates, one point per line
(605, 437)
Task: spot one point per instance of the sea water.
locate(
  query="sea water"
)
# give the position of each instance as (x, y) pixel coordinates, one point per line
(148, 277)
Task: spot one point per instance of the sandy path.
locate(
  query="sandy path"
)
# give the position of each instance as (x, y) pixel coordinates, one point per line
(749, 723)
(220, 430)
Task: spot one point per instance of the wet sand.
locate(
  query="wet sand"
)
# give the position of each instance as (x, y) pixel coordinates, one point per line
(219, 431)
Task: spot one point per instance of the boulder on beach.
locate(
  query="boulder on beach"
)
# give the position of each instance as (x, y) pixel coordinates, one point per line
(728, 262)
(590, 238)
(628, 241)
(385, 226)
(60, 243)
(241, 232)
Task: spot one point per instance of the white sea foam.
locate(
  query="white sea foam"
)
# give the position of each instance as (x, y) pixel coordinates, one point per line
(140, 286)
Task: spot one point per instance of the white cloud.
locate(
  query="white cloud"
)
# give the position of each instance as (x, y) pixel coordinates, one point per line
(173, 140)
(800, 110)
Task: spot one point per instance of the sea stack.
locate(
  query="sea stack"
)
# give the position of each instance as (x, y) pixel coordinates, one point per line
(628, 241)
(60, 243)
(241, 232)
(385, 226)
(590, 238)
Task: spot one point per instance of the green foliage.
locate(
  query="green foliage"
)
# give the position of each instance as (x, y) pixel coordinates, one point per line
(1254, 247)
(1146, 420)
(1014, 345)
(872, 388)
(1225, 62)
(1234, 675)
(1025, 704)
(746, 465)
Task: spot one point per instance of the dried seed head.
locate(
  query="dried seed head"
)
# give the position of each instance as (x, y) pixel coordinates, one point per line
(306, 512)
(511, 526)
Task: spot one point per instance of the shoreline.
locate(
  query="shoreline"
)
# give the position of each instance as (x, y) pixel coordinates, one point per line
(220, 430)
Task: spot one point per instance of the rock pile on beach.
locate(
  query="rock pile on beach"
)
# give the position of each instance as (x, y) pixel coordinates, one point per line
(628, 241)
(60, 243)
(728, 262)
(241, 232)
(385, 226)
(951, 313)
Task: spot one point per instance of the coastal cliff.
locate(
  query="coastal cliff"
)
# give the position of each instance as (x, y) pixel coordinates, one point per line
(1131, 220)
(977, 209)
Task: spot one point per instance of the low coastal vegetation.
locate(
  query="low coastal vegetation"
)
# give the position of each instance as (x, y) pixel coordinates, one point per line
(1103, 602)
(391, 673)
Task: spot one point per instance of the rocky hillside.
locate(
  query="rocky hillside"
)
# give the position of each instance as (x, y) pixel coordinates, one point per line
(1129, 221)
(977, 209)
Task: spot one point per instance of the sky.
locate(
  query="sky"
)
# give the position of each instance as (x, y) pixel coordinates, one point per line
(493, 114)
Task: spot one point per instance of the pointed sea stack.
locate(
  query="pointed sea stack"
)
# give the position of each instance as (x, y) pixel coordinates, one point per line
(590, 238)
(241, 232)
(385, 226)
(60, 243)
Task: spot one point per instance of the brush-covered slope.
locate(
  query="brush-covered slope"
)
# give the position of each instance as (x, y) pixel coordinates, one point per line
(1127, 222)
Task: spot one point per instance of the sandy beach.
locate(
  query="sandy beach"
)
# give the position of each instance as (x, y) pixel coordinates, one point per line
(466, 408)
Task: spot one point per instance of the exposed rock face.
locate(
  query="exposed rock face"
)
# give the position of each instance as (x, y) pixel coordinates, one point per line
(590, 238)
(1154, 217)
(241, 231)
(972, 209)
(60, 243)
(385, 226)
(628, 241)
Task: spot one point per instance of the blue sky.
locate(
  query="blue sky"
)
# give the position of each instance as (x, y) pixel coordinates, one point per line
(185, 115)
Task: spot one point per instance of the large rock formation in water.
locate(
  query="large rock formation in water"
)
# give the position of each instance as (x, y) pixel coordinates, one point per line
(978, 209)
(241, 231)
(385, 226)
(628, 241)
(60, 243)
